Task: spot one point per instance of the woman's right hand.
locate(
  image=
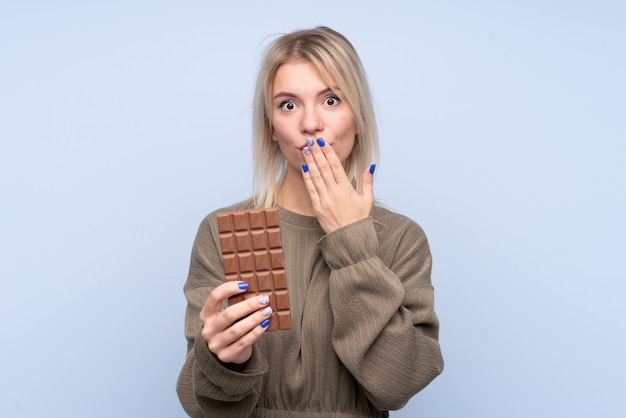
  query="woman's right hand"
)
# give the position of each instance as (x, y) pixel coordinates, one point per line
(231, 332)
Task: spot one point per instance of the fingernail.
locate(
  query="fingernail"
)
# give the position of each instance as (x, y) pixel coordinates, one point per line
(265, 323)
(242, 285)
(268, 311)
(306, 150)
(264, 300)
(320, 142)
(372, 168)
(310, 142)
(305, 168)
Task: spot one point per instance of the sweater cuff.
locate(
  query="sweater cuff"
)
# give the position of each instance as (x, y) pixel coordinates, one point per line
(350, 245)
(230, 382)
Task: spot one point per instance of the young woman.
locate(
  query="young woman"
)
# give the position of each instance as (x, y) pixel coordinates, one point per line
(364, 335)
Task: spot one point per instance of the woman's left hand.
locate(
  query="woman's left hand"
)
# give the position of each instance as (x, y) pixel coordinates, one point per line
(335, 201)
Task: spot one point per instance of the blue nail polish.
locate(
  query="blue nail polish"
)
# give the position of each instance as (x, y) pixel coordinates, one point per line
(306, 150)
(310, 142)
(265, 323)
(242, 285)
(372, 168)
(320, 142)
(265, 300)
(305, 168)
(268, 311)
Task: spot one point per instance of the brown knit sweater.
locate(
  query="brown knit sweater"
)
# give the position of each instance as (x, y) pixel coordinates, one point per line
(364, 337)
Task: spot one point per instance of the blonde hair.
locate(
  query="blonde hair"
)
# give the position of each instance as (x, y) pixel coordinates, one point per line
(334, 55)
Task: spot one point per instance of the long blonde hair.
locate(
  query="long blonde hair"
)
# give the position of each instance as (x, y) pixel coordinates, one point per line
(334, 55)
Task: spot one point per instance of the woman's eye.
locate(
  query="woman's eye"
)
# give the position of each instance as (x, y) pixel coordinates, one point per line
(332, 101)
(287, 105)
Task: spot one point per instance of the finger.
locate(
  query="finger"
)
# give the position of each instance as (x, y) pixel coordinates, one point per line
(332, 162)
(316, 184)
(367, 183)
(234, 313)
(234, 352)
(236, 333)
(316, 160)
(321, 163)
(310, 187)
(218, 295)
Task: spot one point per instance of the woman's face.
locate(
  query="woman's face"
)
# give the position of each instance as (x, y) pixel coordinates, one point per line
(304, 107)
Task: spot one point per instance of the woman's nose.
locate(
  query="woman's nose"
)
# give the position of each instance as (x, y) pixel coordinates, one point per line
(311, 122)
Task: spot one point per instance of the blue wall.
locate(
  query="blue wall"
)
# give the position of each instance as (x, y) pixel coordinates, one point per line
(503, 134)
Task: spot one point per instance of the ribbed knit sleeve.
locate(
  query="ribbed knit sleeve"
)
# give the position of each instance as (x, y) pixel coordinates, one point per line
(385, 328)
(206, 387)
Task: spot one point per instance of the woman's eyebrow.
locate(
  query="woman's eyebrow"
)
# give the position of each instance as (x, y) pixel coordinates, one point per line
(326, 91)
(284, 94)
(321, 93)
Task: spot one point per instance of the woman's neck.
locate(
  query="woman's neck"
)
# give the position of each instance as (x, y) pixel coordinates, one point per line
(293, 195)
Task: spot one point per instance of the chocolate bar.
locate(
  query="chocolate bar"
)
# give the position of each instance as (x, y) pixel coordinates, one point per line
(252, 252)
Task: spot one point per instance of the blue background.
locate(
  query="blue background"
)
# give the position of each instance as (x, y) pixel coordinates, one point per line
(123, 123)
